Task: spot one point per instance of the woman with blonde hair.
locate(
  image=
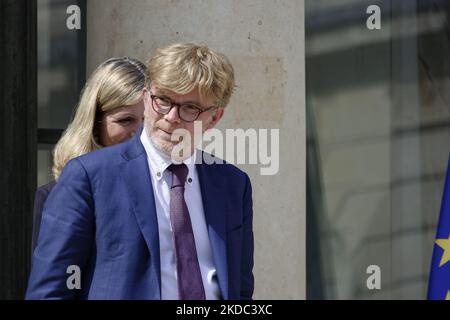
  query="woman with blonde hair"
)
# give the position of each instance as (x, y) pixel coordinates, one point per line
(110, 111)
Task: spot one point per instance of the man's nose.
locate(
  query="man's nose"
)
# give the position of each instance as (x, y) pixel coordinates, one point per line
(172, 116)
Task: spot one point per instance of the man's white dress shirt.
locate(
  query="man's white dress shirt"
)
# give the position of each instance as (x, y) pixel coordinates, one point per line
(161, 181)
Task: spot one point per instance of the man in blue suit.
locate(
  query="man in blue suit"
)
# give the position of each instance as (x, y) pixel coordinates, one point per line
(146, 219)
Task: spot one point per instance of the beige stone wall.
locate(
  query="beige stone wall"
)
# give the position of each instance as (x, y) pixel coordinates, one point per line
(265, 42)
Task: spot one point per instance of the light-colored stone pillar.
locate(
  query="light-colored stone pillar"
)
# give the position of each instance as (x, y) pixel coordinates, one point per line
(264, 40)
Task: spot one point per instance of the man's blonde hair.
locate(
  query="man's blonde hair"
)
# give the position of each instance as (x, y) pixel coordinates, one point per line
(183, 67)
(115, 83)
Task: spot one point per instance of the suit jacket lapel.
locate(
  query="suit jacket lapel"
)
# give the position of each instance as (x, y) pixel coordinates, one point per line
(136, 175)
(212, 188)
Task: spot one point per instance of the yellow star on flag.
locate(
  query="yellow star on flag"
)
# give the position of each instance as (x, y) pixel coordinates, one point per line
(445, 245)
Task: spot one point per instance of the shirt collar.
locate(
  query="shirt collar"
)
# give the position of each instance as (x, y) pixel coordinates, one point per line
(159, 161)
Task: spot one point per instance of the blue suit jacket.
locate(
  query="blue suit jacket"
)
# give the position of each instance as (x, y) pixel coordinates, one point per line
(101, 217)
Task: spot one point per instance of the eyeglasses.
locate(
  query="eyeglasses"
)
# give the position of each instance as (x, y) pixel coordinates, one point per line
(188, 112)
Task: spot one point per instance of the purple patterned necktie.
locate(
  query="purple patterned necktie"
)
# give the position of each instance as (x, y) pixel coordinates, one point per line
(190, 285)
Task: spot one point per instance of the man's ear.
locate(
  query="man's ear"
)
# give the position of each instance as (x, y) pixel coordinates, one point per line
(217, 115)
(146, 97)
(145, 93)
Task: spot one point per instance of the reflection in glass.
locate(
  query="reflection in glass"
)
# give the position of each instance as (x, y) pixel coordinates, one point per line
(61, 65)
(378, 126)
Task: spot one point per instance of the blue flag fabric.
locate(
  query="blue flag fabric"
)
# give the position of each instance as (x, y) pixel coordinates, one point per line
(439, 282)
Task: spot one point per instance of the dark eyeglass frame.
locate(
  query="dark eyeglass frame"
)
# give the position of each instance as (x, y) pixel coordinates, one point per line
(173, 104)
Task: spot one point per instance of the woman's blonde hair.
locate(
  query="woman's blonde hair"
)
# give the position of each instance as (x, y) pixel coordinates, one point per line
(183, 67)
(116, 82)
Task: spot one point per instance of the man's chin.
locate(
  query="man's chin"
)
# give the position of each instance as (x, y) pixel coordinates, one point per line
(162, 145)
(167, 148)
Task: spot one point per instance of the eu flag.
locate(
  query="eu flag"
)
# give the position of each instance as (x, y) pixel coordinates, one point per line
(439, 283)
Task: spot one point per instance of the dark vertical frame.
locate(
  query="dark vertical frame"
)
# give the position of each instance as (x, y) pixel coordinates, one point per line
(82, 45)
(18, 143)
(315, 287)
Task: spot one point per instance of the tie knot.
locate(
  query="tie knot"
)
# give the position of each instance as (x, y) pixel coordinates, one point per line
(179, 174)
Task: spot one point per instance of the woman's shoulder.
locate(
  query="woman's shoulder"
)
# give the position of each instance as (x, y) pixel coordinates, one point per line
(45, 189)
